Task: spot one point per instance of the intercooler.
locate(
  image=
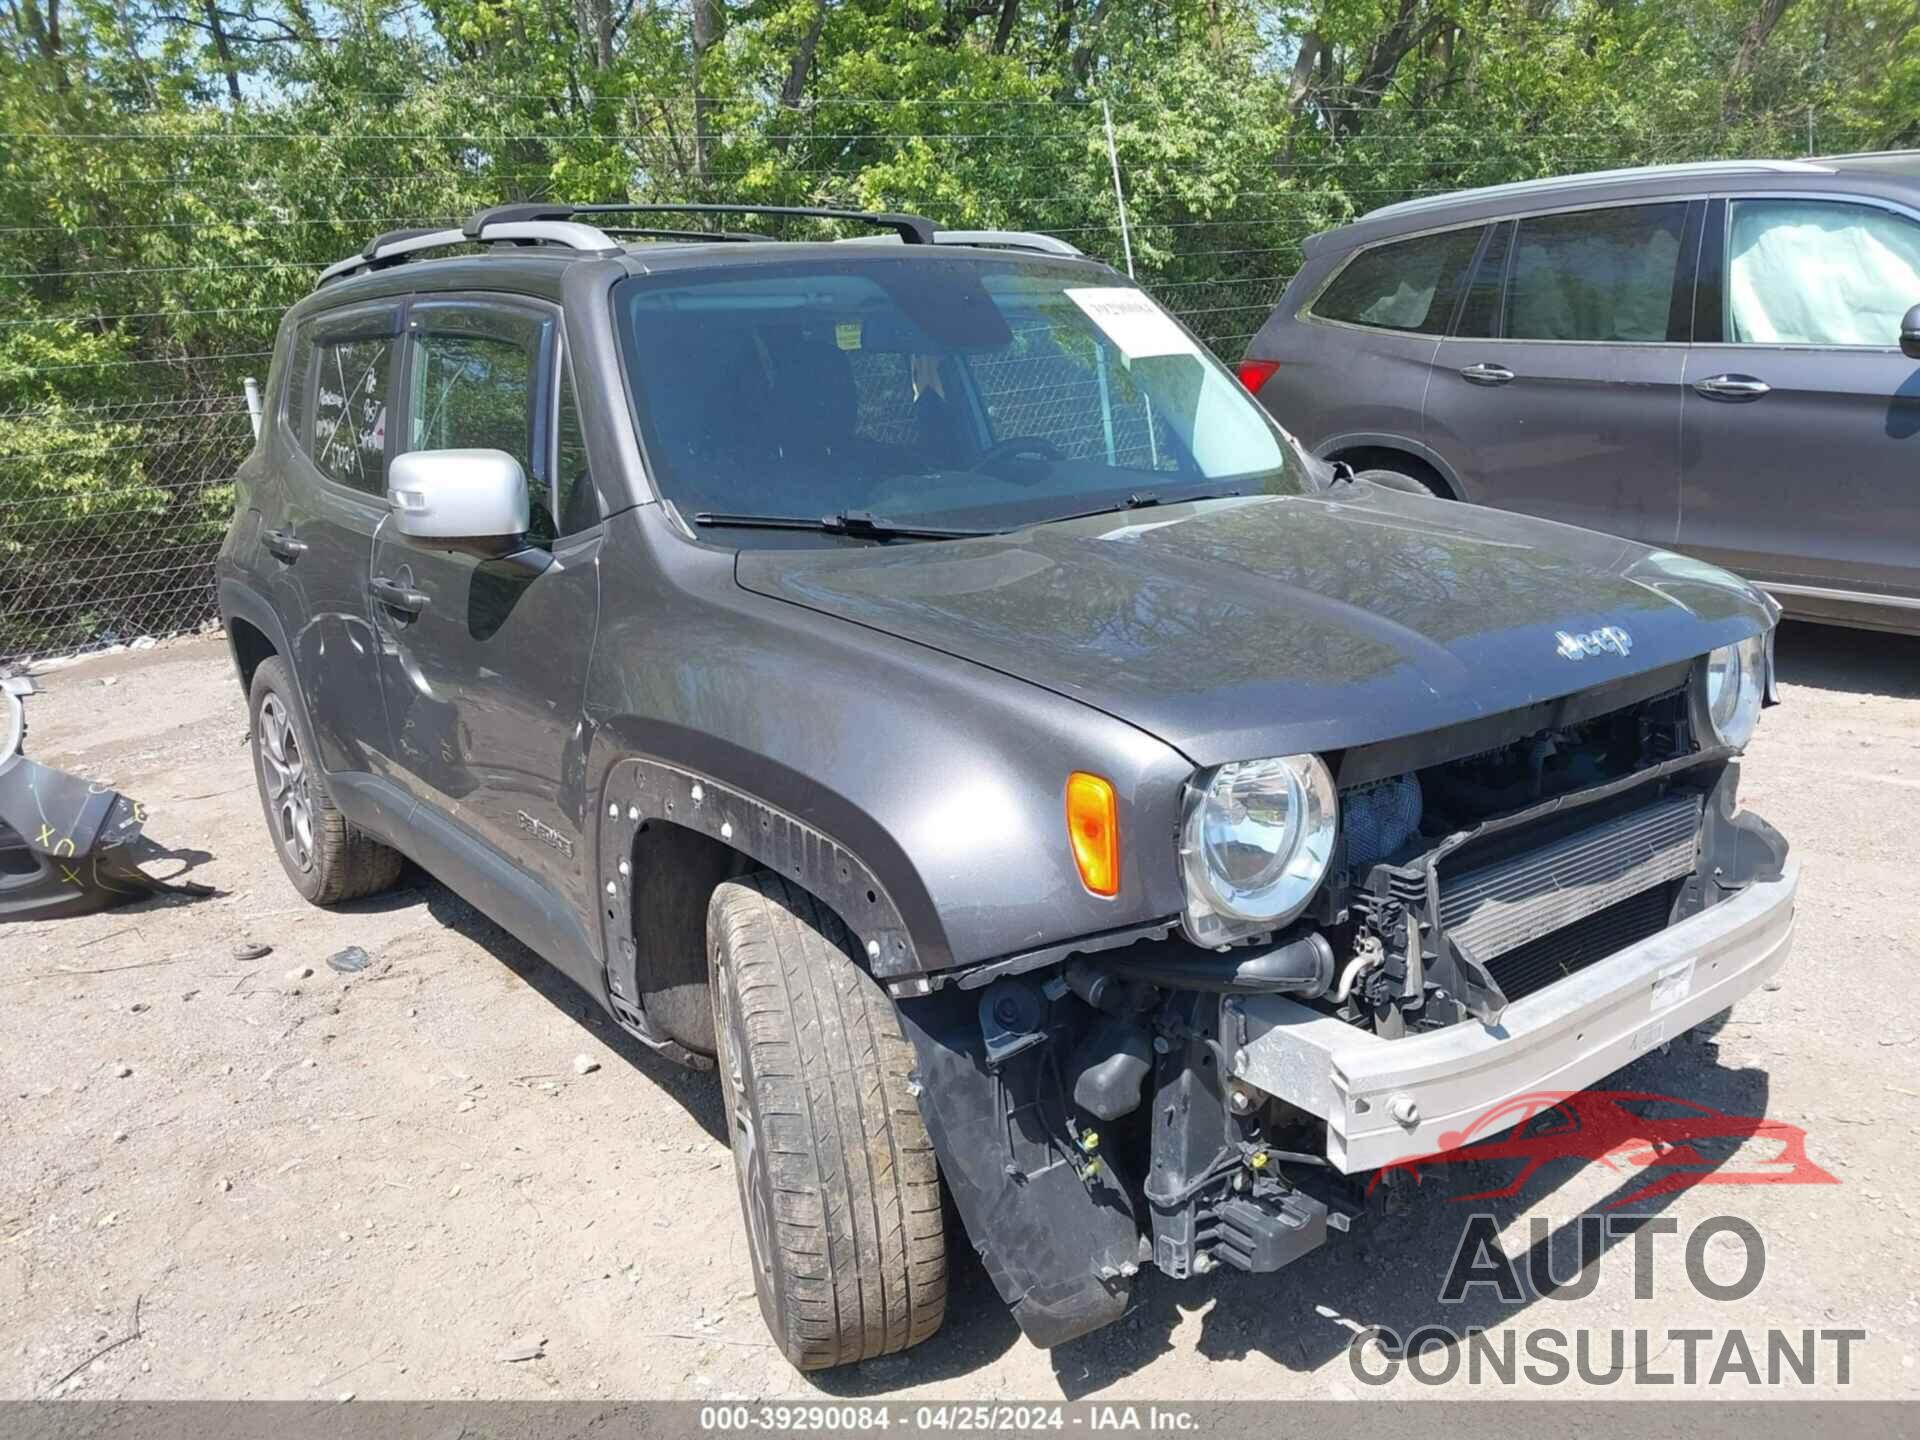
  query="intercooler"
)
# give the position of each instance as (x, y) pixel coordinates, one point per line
(1508, 905)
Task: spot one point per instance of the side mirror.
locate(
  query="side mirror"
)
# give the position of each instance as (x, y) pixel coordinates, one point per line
(469, 500)
(1910, 334)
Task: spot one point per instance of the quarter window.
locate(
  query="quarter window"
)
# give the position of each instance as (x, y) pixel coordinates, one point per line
(348, 440)
(575, 505)
(1595, 274)
(1408, 285)
(1818, 273)
(299, 364)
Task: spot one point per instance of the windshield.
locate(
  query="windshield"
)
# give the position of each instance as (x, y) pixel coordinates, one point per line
(959, 390)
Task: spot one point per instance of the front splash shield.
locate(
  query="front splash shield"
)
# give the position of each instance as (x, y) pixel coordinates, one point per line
(69, 845)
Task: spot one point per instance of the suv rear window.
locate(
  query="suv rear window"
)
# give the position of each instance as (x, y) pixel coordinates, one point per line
(1595, 274)
(1405, 285)
(985, 392)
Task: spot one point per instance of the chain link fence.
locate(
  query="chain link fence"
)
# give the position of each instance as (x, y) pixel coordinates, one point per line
(112, 511)
(110, 518)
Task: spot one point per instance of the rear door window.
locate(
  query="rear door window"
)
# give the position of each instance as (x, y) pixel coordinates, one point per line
(1595, 274)
(1481, 317)
(1812, 272)
(1404, 285)
(347, 434)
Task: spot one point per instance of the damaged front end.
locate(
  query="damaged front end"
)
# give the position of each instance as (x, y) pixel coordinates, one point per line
(68, 845)
(1524, 902)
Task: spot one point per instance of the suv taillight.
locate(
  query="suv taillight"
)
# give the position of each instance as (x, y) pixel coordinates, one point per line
(1255, 373)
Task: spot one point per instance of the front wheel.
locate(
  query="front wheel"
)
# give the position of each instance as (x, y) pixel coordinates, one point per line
(837, 1176)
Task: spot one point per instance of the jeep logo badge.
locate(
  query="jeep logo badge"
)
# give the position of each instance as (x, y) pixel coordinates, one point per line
(1608, 639)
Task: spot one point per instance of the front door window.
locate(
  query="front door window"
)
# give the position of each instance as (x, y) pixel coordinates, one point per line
(1812, 272)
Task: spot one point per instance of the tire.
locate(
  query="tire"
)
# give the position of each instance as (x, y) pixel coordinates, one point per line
(838, 1179)
(327, 858)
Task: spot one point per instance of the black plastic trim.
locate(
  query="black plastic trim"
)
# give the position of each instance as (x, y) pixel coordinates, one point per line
(638, 792)
(913, 229)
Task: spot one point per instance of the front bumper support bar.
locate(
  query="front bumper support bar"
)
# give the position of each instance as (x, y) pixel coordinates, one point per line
(1388, 1100)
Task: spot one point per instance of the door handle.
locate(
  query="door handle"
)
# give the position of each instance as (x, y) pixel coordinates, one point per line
(1731, 387)
(282, 545)
(396, 596)
(1486, 374)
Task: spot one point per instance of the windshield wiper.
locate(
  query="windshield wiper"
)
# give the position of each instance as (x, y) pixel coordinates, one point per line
(860, 524)
(1138, 500)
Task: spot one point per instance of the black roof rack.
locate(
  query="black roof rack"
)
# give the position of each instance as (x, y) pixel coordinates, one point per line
(737, 237)
(913, 229)
(540, 223)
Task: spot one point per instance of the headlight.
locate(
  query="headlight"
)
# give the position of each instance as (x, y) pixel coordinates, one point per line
(1731, 690)
(1255, 841)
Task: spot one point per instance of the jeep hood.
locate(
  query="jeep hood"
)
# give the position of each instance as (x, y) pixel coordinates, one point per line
(1273, 625)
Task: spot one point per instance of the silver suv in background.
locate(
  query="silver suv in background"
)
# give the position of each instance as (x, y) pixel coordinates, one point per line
(1720, 358)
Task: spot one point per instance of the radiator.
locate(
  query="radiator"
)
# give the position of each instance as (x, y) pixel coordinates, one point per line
(1500, 907)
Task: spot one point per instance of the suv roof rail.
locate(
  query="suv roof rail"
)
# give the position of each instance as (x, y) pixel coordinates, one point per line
(1899, 152)
(394, 246)
(1551, 183)
(998, 239)
(913, 229)
(390, 248)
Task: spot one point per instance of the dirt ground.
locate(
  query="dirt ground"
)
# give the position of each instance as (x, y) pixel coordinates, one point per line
(264, 1182)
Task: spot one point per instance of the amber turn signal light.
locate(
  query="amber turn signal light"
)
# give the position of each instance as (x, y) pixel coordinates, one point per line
(1093, 829)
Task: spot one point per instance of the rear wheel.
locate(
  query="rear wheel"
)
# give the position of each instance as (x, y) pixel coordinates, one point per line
(325, 856)
(837, 1176)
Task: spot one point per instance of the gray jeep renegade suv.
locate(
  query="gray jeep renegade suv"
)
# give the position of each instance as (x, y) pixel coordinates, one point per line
(917, 682)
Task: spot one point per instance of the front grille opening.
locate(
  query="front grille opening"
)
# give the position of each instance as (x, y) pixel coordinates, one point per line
(1539, 963)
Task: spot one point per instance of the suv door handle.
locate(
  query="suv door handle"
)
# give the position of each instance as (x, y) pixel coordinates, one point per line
(1486, 374)
(282, 545)
(396, 596)
(1731, 387)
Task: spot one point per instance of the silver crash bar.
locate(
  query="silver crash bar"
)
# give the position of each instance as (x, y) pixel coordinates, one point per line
(1413, 1096)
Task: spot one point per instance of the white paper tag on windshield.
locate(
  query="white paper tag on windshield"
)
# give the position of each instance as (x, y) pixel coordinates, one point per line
(1133, 322)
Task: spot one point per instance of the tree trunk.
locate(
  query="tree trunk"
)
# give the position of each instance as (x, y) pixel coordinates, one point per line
(1300, 83)
(222, 49)
(43, 30)
(1003, 32)
(1389, 49)
(794, 90)
(708, 17)
(1748, 55)
(595, 19)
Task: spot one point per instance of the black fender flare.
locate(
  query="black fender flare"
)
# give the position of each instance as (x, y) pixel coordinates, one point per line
(638, 791)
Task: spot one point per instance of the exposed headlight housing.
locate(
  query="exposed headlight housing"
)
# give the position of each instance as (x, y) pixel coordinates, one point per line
(1256, 838)
(1729, 688)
